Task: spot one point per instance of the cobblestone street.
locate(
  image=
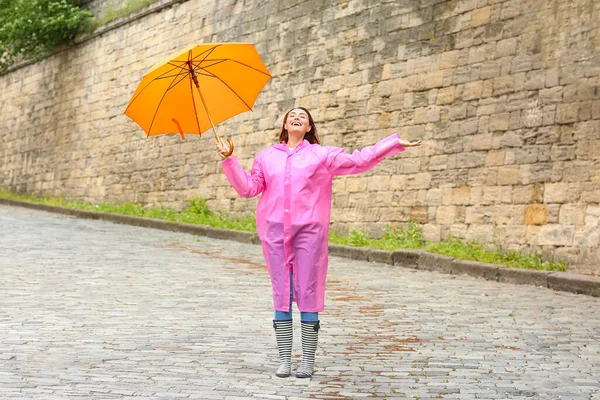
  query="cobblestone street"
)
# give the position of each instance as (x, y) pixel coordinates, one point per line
(96, 310)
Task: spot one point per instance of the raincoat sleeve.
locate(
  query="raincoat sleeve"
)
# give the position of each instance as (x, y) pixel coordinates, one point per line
(246, 185)
(338, 162)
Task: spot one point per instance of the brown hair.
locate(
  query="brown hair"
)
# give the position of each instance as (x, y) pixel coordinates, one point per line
(311, 135)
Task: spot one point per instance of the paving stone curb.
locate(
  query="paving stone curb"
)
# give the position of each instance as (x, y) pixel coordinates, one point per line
(417, 259)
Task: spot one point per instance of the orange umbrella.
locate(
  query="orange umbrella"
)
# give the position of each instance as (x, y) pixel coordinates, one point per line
(197, 88)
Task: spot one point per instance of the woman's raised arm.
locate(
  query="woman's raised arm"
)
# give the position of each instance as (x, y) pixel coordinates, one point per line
(338, 162)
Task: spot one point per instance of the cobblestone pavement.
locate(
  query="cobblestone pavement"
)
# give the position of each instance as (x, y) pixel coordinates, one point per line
(95, 310)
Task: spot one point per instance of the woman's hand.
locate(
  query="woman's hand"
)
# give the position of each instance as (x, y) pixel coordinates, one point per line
(406, 143)
(221, 149)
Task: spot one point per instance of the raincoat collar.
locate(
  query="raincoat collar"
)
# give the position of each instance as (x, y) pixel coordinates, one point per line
(283, 145)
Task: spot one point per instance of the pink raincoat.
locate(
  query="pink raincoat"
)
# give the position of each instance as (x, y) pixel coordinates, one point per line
(293, 213)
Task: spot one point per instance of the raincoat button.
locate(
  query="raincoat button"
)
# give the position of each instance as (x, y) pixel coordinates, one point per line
(287, 182)
(287, 210)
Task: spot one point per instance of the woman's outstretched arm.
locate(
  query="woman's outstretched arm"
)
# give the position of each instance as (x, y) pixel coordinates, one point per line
(245, 185)
(341, 163)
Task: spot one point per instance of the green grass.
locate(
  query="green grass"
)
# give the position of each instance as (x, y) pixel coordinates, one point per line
(197, 212)
(456, 248)
(397, 238)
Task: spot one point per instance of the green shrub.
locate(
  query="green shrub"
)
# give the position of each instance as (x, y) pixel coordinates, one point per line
(32, 29)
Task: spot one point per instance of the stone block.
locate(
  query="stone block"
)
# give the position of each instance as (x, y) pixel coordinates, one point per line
(354, 253)
(435, 262)
(378, 183)
(556, 192)
(495, 158)
(522, 194)
(480, 233)
(508, 175)
(499, 122)
(473, 159)
(482, 142)
(572, 214)
(532, 117)
(437, 163)
(356, 184)
(433, 79)
(445, 96)
(504, 84)
(445, 215)
(380, 256)
(551, 77)
(548, 115)
(587, 237)
(523, 276)
(472, 90)
(419, 215)
(477, 54)
(506, 47)
(592, 216)
(431, 232)
(556, 235)
(449, 59)
(567, 113)
(596, 109)
(406, 258)
(535, 214)
(461, 195)
(535, 80)
(574, 283)
(553, 211)
(469, 126)
(478, 269)
(481, 16)
(551, 96)
(427, 115)
(457, 111)
(521, 63)
(489, 69)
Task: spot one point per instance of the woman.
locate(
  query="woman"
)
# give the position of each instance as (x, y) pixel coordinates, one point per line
(292, 218)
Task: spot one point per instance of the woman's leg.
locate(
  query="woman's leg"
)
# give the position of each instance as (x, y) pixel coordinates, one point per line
(310, 336)
(282, 322)
(309, 316)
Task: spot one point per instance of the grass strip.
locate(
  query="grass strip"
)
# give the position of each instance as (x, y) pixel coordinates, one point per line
(197, 212)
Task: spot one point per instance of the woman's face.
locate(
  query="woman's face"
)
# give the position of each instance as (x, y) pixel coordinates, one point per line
(297, 122)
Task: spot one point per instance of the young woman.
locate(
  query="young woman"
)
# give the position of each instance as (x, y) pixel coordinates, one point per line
(292, 218)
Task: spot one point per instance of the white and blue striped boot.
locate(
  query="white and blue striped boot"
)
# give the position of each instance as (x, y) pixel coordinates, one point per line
(310, 337)
(284, 335)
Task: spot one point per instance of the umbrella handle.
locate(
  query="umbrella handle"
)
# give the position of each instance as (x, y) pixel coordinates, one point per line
(230, 148)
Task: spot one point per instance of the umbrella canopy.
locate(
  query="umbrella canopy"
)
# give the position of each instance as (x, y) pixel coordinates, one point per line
(197, 88)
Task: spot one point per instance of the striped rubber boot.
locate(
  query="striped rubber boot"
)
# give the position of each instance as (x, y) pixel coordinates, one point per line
(310, 336)
(283, 333)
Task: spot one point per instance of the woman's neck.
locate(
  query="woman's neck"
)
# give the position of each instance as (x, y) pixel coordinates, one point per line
(294, 141)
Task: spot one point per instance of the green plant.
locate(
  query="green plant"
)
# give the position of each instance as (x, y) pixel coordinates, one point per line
(409, 238)
(32, 29)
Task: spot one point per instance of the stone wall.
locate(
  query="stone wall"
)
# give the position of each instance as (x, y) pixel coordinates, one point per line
(505, 95)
